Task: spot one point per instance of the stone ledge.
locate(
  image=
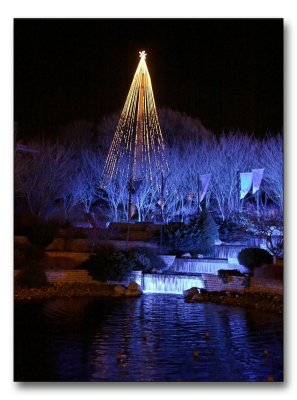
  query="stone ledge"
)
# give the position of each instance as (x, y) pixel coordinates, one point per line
(269, 302)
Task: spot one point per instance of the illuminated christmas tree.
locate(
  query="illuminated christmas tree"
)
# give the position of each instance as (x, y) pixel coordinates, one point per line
(137, 149)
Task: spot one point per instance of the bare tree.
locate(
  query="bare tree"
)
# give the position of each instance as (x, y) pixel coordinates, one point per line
(142, 199)
(187, 160)
(271, 154)
(174, 191)
(181, 198)
(198, 161)
(231, 154)
(41, 174)
(116, 193)
(87, 179)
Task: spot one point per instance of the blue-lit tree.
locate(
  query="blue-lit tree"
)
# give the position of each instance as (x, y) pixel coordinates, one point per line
(85, 189)
(116, 195)
(230, 154)
(41, 174)
(146, 199)
(45, 172)
(271, 155)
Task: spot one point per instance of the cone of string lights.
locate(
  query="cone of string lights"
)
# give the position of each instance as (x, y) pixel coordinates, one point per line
(137, 149)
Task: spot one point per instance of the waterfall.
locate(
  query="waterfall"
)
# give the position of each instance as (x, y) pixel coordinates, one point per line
(158, 283)
(205, 266)
(194, 266)
(229, 252)
(257, 242)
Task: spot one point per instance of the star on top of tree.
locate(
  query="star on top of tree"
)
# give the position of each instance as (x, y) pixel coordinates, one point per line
(142, 54)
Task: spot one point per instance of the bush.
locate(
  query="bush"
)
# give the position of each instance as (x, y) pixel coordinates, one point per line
(181, 239)
(254, 257)
(109, 263)
(209, 232)
(32, 277)
(227, 274)
(196, 238)
(145, 259)
(231, 232)
(40, 233)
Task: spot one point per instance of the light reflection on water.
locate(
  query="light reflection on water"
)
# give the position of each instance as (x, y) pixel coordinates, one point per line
(152, 338)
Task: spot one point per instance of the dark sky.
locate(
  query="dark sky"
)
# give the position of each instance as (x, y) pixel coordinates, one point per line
(226, 72)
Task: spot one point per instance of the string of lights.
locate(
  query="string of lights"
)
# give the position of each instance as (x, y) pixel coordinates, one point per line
(137, 149)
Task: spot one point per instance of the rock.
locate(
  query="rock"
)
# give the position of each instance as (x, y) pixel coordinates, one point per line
(189, 300)
(133, 293)
(197, 297)
(186, 255)
(199, 255)
(191, 292)
(134, 286)
(120, 290)
(168, 260)
(134, 290)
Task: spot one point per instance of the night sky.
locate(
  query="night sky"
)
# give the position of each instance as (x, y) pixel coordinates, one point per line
(228, 73)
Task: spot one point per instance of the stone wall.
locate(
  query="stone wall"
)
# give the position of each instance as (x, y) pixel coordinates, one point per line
(65, 253)
(211, 282)
(121, 244)
(69, 276)
(82, 276)
(266, 285)
(214, 283)
(66, 276)
(64, 260)
(84, 245)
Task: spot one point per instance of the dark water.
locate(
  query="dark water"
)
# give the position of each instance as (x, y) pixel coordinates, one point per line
(156, 336)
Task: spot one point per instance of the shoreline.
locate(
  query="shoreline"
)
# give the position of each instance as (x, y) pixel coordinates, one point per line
(73, 290)
(61, 290)
(263, 301)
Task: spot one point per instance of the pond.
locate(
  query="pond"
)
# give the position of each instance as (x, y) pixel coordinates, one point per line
(157, 337)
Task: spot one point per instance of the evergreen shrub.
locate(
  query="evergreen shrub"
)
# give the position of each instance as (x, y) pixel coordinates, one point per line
(254, 257)
(40, 233)
(109, 263)
(227, 274)
(146, 259)
(196, 238)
